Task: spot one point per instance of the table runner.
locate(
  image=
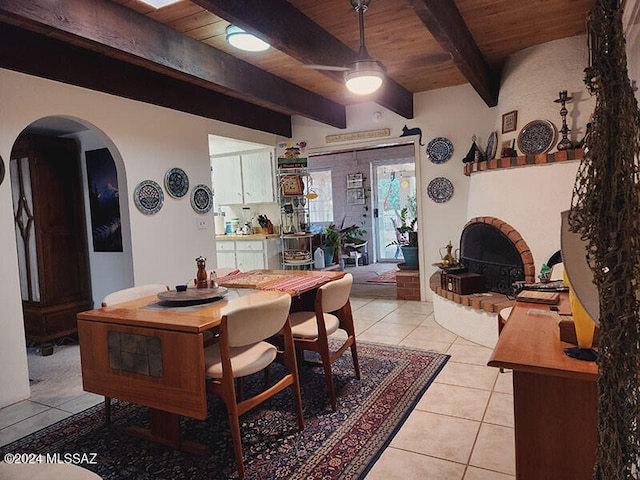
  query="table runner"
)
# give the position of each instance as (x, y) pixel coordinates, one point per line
(296, 283)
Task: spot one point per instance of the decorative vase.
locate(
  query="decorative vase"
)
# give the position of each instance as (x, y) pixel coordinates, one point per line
(585, 328)
(410, 255)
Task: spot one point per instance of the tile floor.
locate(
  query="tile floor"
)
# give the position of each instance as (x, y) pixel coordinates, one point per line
(462, 428)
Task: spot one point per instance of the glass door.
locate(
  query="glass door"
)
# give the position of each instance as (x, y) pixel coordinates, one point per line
(394, 187)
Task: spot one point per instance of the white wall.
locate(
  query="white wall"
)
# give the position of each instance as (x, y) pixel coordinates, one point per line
(150, 140)
(530, 198)
(110, 271)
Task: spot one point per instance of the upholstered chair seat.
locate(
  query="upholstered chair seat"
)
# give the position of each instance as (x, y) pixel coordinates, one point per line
(305, 324)
(244, 360)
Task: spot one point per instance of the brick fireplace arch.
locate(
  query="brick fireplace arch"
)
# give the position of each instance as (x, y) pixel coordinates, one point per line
(520, 244)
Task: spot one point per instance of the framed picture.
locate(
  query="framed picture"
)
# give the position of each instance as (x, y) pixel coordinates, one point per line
(291, 185)
(355, 196)
(354, 180)
(510, 121)
(104, 203)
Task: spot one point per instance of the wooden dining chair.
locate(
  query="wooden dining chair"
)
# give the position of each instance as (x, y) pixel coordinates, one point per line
(311, 330)
(242, 350)
(126, 295)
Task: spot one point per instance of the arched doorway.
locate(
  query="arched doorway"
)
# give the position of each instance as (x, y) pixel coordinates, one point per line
(109, 270)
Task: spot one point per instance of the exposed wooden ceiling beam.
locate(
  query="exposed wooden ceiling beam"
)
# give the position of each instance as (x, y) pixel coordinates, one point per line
(39, 55)
(445, 23)
(121, 33)
(291, 32)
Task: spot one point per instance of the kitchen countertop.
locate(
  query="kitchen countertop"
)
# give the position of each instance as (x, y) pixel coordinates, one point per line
(253, 236)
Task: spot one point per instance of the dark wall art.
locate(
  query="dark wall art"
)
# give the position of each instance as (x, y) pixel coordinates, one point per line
(104, 201)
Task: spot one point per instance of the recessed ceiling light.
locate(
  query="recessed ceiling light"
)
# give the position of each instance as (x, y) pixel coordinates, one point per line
(238, 38)
(159, 3)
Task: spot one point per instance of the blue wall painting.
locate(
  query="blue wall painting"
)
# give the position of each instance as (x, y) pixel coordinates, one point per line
(104, 201)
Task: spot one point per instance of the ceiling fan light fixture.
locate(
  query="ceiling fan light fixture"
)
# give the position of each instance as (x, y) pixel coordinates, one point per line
(159, 3)
(243, 40)
(364, 77)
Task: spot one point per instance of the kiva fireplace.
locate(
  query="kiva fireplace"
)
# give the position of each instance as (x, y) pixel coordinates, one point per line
(495, 250)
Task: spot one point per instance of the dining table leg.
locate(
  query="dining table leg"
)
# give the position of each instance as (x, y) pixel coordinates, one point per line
(164, 428)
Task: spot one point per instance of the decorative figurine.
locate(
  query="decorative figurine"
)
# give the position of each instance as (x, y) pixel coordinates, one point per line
(201, 279)
(565, 143)
(474, 154)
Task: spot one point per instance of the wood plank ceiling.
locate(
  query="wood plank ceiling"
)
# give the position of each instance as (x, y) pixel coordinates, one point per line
(177, 56)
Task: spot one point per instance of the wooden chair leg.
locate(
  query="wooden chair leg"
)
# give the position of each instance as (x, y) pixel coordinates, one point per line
(107, 410)
(328, 375)
(267, 376)
(234, 425)
(240, 381)
(354, 356)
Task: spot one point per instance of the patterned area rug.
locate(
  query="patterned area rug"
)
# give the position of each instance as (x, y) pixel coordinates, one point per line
(334, 445)
(386, 277)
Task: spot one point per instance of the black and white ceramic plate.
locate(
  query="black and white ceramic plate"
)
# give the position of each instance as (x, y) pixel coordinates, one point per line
(201, 198)
(492, 146)
(176, 182)
(440, 189)
(537, 137)
(148, 197)
(439, 150)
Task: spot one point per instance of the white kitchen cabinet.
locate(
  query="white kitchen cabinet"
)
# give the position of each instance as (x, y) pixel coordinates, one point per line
(246, 255)
(243, 179)
(257, 177)
(226, 253)
(227, 173)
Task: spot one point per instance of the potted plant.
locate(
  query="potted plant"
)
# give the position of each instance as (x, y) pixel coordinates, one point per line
(408, 241)
(336, 237)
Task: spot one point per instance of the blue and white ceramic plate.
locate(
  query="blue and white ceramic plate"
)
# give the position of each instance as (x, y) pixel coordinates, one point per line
(537, 137)
(440, 189)
(201, 198)
(148, 197)
(492, 146)
(439, 150)
(176, 182)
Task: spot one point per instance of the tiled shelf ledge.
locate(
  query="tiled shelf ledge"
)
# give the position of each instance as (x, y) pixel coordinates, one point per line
(523, 160)
(490, 302)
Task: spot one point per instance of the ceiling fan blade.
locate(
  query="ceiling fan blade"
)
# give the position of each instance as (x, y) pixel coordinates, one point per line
(327, 67)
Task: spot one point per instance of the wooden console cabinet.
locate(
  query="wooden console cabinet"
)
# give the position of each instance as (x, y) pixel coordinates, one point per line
(50, 234)
(554, 396)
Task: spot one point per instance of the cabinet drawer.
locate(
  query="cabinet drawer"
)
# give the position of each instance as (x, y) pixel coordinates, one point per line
(225, 246)
(249, 245)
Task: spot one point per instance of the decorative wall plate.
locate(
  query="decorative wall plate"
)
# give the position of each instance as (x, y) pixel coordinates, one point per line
(148, 197)
(1, 171)
(439, 150)
(492, 145)
(440, 189)
(537, 137)
(201, 198)
(176, 182)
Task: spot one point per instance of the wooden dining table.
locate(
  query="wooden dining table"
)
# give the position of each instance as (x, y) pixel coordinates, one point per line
(150, 352)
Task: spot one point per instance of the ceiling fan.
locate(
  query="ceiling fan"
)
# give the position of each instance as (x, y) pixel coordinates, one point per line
(364, 75)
